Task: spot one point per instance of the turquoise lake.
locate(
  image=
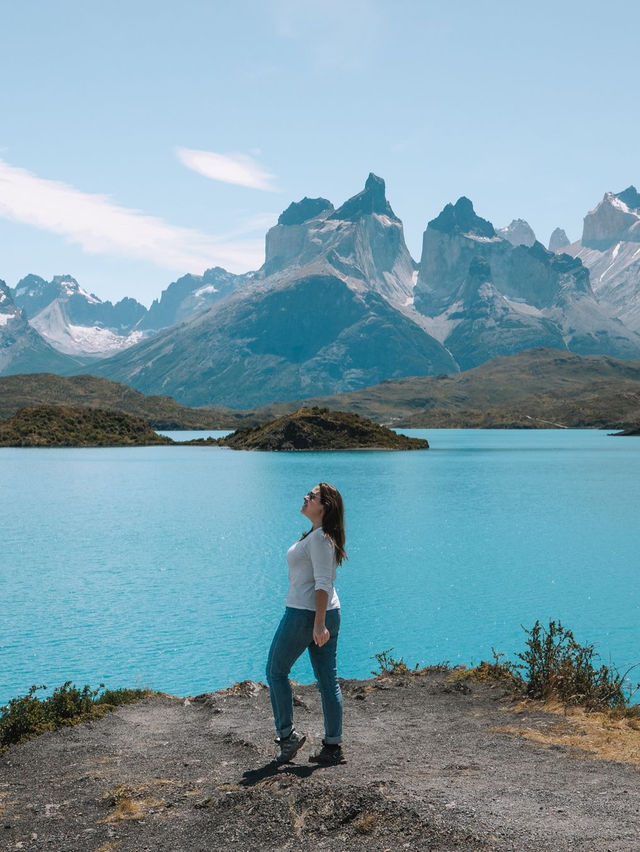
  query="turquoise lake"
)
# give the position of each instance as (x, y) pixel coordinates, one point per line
(165, 566)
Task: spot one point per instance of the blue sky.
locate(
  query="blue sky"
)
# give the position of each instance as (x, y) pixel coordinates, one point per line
(141, 140)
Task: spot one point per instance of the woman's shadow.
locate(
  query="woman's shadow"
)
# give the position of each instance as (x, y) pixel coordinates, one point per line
(273, 768)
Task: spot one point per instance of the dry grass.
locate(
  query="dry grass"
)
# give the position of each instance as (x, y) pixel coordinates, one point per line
(366, 824)
(132, 803)
(486, 672)
(246, 688)
(613, 735)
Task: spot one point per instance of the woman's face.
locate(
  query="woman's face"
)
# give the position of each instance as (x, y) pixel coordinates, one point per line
(312, 508)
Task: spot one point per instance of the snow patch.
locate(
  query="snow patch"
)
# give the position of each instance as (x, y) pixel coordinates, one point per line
(72, 339)
(523, 307)
(617, 203)
(5, 319)
(209, 288)
(441, 326)
(480, 239)
(614, 253)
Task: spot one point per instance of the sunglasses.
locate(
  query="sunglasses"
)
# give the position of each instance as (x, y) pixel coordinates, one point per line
(312, 495)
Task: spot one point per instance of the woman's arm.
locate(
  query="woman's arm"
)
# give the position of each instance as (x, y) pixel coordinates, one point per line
(321, 551)
(320, 633)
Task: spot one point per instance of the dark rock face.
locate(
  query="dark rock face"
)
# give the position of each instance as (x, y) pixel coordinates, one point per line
(188, 296)
(460, 218)
(22, 349)
(301, 211)
(631, 197)
(558, 240)
(371, 200)
(518, 233)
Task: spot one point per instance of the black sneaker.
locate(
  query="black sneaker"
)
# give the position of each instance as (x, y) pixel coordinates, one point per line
(329, 755)
(289, 746)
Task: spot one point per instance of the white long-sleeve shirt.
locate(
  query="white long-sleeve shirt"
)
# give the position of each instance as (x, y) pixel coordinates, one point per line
(312, 566)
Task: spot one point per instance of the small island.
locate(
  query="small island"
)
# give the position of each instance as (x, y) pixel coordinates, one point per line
(320, 429)
(66, 426)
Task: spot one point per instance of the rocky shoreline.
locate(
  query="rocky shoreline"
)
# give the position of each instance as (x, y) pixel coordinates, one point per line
(434, 762)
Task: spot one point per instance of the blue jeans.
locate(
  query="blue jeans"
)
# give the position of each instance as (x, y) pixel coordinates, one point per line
(293, 636)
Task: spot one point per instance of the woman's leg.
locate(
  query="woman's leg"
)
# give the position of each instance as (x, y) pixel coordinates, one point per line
(323, 660)
(292, 637)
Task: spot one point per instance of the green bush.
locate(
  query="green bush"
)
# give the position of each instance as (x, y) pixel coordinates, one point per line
(388, 665)
(28, 716)
(23, 717)
(556, 666)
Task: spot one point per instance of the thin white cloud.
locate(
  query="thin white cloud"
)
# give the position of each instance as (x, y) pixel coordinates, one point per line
(101, 226)
(239, 169)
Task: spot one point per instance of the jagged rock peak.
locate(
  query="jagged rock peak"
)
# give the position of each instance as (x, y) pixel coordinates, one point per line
(519, 233)
(301, 211)
(630, 196)
(32, 281)
(371, 200)
(558, 240)
(460, 218)
(612, 221)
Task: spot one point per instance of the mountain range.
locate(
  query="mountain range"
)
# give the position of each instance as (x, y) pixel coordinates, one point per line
(339, 304)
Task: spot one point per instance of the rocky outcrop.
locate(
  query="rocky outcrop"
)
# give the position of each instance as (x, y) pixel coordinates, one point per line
(76, 322)
(188, 296)
(321, 429)
(518, 233)
(22, 349)
(613, 221)
(558, 240)
(299, 212)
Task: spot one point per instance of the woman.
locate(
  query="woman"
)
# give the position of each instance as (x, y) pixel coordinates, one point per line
(311, 621)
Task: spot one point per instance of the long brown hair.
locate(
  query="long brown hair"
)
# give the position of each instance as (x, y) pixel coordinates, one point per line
(333, 519)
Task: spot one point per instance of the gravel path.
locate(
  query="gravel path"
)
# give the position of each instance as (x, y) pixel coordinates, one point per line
(429, 766)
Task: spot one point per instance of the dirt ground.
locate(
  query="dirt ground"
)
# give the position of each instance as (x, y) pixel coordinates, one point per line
(431, 764)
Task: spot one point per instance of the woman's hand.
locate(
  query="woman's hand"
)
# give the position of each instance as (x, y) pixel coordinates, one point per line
(320, 635)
